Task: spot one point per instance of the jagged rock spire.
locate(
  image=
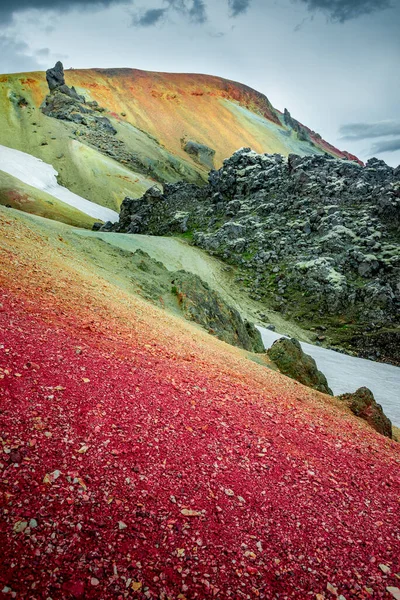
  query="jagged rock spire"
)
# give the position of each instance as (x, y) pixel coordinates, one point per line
(55, 76)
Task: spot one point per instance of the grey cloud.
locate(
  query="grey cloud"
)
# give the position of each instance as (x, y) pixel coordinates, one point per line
(193, 10)
(386, 146)
(198, 11)
(344, 10)
(364, 131)
(9, 7)
(150, 17)
(15, 57)
(43, 52)
(238, 7)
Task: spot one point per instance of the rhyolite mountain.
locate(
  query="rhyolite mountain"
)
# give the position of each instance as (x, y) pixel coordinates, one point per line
(140, 456)
(313, 236)
(112, 133)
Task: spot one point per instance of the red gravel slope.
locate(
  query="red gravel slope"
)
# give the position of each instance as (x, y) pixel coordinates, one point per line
(142, 458)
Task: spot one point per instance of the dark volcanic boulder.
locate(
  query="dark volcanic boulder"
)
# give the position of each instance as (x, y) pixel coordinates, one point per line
(363, 404)
(55, 76)
(161, 213)
(56, 82)
(293, 362)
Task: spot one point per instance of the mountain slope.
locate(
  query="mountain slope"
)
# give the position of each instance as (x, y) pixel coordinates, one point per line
(16, 194)
(142, 455)
(34, 172)
(163, 123)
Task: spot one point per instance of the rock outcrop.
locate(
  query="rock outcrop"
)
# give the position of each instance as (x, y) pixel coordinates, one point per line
(288, 356)
(296, 126)
(363, 404)
(66, 104)
(56, 81)
(55, 76)
(205, 306)
(200, 153)
(160, 213)
(191, 297)
(313, 237)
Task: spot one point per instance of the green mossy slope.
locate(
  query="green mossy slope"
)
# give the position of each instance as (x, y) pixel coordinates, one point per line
(16, 194)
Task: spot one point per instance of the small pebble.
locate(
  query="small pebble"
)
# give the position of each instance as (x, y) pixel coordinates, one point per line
(384, 568)
(20, 526)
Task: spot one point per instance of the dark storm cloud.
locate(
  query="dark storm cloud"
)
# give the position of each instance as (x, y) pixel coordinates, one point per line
(337, 10)
(238, 6)
(386, 146)
(9, 7)
(364, 131)
(344, 10)
(195, 10)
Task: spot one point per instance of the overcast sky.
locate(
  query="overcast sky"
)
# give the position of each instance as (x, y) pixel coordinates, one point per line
(333, 63)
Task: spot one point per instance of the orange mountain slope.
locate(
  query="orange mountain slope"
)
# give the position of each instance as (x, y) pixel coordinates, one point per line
(143, 457)
(158, 118)
(222, 114)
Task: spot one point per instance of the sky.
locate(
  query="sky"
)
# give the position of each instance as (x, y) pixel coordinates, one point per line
(334, 64)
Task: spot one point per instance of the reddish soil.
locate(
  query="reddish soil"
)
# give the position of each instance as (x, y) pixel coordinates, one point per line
(128, 474)
(142, 458)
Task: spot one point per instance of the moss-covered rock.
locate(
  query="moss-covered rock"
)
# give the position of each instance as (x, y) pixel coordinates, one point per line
(205, 306)
(293, 362)
(363, 404)
(189, 296)
(200, 153)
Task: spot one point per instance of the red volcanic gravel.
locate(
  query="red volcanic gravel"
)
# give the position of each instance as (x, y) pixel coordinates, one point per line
(137, 477)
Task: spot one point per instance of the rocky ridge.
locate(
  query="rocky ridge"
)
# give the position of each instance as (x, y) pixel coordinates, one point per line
(203, 305)
(313, 237)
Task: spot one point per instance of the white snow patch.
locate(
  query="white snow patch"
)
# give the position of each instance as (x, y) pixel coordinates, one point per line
(42, 176)
(348, 373)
